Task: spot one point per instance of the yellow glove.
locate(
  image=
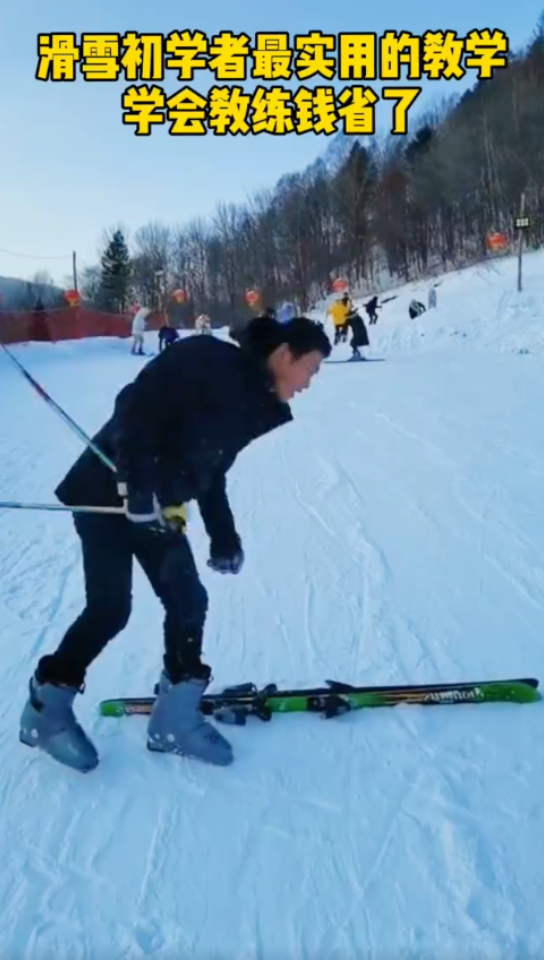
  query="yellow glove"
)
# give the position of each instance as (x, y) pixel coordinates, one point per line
(176, 517)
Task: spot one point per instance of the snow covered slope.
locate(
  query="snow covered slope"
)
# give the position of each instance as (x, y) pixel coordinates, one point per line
(394, 533)
(479, 306)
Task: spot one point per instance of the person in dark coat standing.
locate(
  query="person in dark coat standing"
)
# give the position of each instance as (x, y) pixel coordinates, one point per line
(415, 309)
(174, 434)
(167, 336)
(359, 335)
(372, 310)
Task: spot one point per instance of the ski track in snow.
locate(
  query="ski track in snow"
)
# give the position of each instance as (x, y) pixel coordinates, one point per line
(394, 533)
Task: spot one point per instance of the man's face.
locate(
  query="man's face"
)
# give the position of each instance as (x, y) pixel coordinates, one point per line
(293, 374)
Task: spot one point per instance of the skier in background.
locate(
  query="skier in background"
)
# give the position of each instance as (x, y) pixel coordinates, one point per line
(431, 301)
(372, 310)
(339, 312)
(138, 330)
(287, 312)
(359, 335)
(167, 336)
(175, 432)
(203, 324)
(415, 309)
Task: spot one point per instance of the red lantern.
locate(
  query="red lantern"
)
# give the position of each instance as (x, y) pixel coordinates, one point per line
(252, 297)
(496, 242)
(73, 298)
(339, 285)
(180, 296)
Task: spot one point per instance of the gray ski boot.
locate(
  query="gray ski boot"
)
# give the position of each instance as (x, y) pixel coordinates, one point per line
(48, 722)
(177, 724)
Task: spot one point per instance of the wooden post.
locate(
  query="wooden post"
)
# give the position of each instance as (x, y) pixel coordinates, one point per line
(520, 241)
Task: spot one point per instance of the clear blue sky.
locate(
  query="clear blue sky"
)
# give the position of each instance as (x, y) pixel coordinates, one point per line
(70, 167)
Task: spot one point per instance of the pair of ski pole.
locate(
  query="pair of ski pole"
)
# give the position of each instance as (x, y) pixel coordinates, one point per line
(18, 505)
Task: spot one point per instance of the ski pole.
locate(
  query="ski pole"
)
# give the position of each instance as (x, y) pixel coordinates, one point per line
(16, 505)
(58, 409)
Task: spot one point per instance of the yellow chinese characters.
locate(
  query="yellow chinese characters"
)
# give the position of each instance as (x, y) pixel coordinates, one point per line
(276, 60)
(143, 106)
(273, 57)
(100, 56)
(57, 56)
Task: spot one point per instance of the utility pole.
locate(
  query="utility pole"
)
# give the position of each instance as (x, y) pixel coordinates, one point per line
(160, 278)
(522, 223)
(74, 269)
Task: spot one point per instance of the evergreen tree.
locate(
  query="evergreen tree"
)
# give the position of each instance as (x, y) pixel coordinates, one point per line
(115, 275)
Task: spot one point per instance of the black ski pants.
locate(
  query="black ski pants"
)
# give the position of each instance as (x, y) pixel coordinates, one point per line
(341, 334)
(110, 545)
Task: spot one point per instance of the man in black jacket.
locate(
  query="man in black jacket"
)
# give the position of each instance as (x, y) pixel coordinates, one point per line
(174, 434)
(372, 309)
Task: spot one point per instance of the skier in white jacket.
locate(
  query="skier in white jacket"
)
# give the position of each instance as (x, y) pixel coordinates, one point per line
(203, 324)
(138, 329)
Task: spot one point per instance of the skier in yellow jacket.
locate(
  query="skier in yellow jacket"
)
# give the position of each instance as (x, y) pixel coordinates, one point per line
(339, 312)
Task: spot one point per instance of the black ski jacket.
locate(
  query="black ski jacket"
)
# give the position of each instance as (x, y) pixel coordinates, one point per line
(358, 328)
(177, 429)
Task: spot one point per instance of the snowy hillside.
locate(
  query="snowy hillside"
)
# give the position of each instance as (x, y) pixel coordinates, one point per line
(479, 306)
(394, 533)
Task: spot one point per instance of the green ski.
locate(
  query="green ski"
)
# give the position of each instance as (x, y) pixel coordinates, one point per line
(235, 704)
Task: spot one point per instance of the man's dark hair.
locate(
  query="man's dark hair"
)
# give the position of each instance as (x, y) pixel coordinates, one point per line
(263, 335)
